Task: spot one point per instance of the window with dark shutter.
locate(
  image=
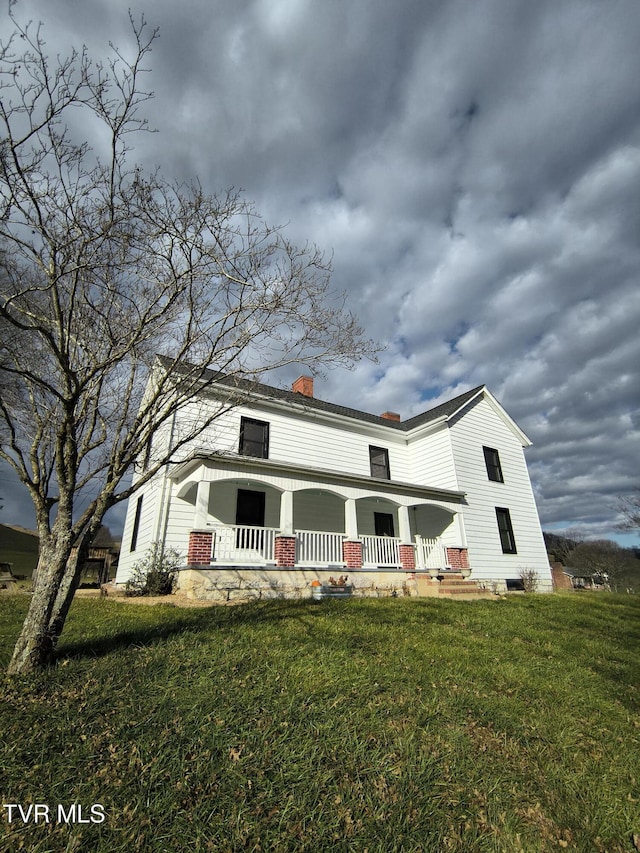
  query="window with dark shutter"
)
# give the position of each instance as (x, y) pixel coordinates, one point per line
(136, 524)
(507, 539)
(492, 461)
(254, 438)
(379, 460)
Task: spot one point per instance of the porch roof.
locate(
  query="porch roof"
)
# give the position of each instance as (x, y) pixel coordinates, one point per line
(183, 469)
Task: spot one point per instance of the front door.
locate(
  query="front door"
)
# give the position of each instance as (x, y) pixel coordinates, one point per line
(383, 523)
(250, 508)
(249, 513)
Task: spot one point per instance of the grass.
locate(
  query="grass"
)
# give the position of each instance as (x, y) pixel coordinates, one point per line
(363, 725)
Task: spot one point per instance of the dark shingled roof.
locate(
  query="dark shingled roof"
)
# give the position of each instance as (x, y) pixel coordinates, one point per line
(313, 403)
(443, 410)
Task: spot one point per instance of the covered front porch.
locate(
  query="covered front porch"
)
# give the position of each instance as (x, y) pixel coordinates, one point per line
(255, 519)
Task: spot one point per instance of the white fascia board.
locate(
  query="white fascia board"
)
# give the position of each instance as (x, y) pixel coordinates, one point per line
(425, 429)
(466, 403)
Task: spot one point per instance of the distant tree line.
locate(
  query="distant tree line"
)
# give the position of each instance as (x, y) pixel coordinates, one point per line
(619, 566)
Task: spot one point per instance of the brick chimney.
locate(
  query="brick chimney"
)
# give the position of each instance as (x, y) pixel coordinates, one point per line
(303, 385)
(390, 416)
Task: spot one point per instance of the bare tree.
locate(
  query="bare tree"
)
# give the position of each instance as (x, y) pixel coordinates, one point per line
(602, 557)
(630, 509)
(102, 267)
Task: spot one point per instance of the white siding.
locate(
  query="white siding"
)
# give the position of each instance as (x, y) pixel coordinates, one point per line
(481, 426)
(366, 509)
(180, 520)
(432, 521)
(315, 510)
(150, 495)
(431, 460)
(306, 441)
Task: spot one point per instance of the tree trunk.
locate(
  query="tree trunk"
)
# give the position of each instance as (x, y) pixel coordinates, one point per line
(67, 588)
(36, 643)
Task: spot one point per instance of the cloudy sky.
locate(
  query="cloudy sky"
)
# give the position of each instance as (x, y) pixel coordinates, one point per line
(473, 166)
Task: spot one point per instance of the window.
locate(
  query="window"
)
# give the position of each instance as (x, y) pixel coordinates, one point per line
(505, 529)
(379, 460)
(250, 513)
(136, 524)
(383, 523)
(250, 508)
(492, 461)
(254, 438)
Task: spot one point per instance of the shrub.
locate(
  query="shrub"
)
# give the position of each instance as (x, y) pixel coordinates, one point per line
(154, 574)
(529, 578)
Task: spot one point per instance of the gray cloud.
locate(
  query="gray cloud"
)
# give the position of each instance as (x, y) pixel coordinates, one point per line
(474, 169)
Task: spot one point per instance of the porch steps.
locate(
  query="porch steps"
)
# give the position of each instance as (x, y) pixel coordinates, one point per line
(451, 585)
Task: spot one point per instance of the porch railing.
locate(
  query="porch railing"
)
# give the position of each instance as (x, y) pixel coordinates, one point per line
(319, 547)
(380, 550)
(237, 543)
(247, 544)
(430, 553)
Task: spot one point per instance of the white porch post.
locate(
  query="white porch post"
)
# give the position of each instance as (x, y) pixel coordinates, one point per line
(404, 527)
(350, 519)
(461, 530)
(202, 505)
(286, 513)
(284, 544)
(351, 545)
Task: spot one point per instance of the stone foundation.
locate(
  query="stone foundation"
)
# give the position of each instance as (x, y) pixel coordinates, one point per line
(245, 583)
(241, 583)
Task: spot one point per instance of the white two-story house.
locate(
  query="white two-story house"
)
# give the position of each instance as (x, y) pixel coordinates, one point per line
(285, 489)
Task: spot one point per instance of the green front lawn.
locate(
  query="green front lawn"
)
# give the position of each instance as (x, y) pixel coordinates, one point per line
(379, 725)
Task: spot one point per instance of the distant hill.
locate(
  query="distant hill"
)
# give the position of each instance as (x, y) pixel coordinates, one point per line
(20, 547)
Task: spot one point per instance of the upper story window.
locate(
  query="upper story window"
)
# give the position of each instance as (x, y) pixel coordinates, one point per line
(492, 461)
(379, 460)
(507, 539)
(254, 438)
